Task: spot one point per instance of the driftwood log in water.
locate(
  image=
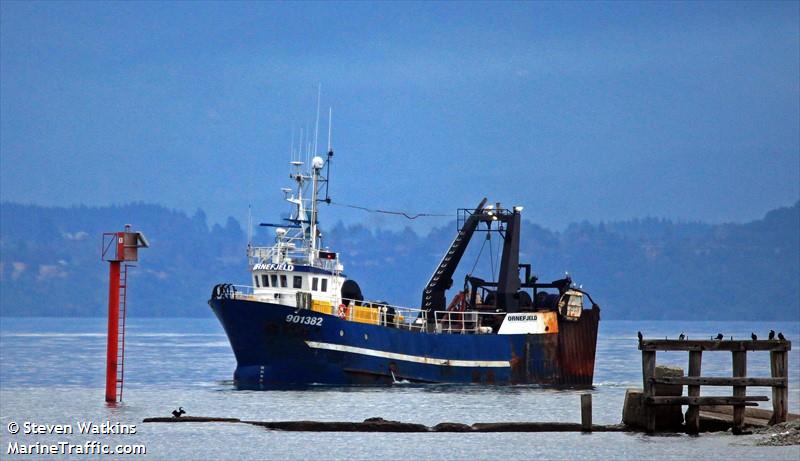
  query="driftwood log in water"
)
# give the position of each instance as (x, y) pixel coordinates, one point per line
(383, 425)
(191, 419)
(369, 425)
(545, 427)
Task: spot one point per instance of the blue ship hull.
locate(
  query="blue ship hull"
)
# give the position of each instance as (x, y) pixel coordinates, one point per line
(277, 345)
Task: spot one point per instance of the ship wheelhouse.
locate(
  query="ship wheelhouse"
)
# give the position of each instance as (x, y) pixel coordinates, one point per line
(281, 285)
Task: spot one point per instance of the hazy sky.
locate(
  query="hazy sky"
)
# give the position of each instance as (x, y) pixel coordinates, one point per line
(596, 111)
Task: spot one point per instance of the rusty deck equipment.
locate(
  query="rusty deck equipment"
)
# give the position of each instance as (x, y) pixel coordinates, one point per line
(779, 364)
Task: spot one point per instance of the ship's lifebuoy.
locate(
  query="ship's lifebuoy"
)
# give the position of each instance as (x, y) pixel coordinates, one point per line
(342, 311)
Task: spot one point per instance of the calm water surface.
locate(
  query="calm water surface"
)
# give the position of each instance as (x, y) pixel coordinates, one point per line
(52, 371)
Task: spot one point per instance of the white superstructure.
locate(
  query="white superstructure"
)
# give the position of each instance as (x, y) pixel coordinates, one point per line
(297, 262)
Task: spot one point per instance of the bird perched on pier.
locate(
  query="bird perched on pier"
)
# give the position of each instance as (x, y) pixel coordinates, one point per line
(753, 336)
(719, 337)
(177, 413)
(781, 337)
(639, 335)
(681, 337)
(771, 334)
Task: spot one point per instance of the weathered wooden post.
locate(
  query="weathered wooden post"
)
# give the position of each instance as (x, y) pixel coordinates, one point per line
(649, 386)
(586, 412)
(693, 412)
(739, 371)
(779, 366)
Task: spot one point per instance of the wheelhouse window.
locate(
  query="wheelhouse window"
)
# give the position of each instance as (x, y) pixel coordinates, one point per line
(274, 280)
(324, 284)
(283, 281)
(264, 280)
(297, 282)
(314, 283)
(255, 281)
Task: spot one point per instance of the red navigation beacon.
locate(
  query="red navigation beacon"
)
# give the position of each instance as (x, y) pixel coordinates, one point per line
(118, 249)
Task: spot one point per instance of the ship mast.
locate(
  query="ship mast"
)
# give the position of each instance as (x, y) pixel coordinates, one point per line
(316, 166)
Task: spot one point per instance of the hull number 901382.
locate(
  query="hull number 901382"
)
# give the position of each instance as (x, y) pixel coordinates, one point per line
(303, 320)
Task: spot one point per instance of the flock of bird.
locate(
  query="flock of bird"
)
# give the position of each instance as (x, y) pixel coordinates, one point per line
(719, 337)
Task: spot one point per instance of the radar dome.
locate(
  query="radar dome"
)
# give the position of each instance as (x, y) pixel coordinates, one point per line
(317, 162)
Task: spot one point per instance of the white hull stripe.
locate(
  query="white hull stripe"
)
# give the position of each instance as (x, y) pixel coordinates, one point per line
(409, 358)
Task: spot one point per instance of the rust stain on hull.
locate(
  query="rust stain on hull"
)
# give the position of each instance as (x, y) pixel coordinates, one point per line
(565, 359)
(577, 344)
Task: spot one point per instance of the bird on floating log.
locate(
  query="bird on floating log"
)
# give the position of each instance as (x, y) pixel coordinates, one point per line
(719, 337)
(681, 337)
(771, 334)
(177, 413)
(753, 336)
(639, 335)
(781, 337)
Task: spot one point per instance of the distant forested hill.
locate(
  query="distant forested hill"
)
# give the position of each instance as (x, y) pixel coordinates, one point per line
(651, 268)
(50, 260)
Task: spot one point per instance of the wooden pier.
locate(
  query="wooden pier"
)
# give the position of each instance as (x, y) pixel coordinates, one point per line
(739, 381)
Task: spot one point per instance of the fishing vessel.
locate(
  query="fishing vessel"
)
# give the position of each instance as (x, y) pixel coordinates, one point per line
(303, 321)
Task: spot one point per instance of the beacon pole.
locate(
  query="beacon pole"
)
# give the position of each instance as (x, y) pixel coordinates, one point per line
(112, 348)
(118, 249)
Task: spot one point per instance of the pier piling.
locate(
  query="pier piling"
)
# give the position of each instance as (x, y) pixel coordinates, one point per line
(693, 413)
(586, 412)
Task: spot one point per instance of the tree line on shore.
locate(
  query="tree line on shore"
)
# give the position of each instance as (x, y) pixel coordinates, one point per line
(638, 269)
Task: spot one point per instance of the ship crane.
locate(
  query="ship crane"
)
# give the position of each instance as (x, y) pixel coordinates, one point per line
(508, 284)
(505, 293)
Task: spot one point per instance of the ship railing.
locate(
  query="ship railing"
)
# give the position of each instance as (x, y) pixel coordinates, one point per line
(466, 322)
(240, 292)
(407, 318)
(267, 254)
(389, 315)
(327, 264)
